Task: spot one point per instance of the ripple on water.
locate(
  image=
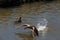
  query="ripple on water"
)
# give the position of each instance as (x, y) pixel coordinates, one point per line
(49, 11)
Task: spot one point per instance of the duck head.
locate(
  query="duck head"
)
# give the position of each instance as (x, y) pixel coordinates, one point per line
(19, 19)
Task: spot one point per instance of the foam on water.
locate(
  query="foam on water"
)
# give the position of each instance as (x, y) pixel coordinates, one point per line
(42, 24)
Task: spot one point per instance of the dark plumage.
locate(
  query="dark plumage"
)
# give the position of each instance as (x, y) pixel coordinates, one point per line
(34, 29)
(18, 21)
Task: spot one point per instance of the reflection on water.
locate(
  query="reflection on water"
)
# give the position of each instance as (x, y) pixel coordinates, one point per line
(30, 14)
(25, 37)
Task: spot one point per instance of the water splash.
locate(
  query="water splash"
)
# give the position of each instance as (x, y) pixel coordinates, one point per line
(42, 24)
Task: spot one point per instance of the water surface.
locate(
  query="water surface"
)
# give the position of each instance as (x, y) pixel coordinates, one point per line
(30, 14)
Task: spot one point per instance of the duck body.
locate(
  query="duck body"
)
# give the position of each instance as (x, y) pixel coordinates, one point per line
(41, 26)
(34, 29)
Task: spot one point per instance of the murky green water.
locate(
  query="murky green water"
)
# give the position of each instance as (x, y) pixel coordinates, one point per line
(30, 13)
